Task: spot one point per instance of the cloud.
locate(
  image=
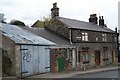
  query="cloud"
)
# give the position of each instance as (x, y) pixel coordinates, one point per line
(31, 10)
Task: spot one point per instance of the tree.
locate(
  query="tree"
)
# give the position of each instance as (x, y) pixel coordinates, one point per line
(17, 22)
(46, 19)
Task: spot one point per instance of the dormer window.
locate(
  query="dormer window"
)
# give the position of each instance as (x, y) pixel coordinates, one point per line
(84, 36)
(104, 37)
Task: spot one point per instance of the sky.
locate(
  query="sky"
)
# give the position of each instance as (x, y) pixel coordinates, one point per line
(29, 11)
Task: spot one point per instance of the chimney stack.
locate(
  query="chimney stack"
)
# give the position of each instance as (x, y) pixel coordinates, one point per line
(101, 21)
(55, 11)
(93, 18)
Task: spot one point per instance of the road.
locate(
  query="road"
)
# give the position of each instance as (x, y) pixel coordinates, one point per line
(105, 74)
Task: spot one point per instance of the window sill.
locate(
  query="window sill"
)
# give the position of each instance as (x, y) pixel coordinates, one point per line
(85, 62)
(105, 59)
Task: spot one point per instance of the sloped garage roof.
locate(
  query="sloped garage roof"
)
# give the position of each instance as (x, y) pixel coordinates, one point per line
(21, 36)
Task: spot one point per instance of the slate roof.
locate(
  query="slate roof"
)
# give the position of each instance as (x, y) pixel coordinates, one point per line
(72, 23)
(21, 36)
(50, 35)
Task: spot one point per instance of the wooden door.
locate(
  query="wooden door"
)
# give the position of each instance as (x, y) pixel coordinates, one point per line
(113, 56)
(97, 58)
(60, 64)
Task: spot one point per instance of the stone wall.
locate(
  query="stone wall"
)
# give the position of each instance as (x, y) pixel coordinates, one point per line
(57, 53)
(58, 27)
(92, 35)
(8, 57)
(96, 47)
(17, 61)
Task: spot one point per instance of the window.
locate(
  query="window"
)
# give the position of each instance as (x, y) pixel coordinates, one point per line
(78, 38)
(66, 54)
(104, 37)
(85, 58)
(96, 38)
(84, 36)
(85, 55)
(105, 54)
(115, 39)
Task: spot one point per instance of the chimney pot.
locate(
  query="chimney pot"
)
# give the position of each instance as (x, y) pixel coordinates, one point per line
(55, 11)
(102, 17)
(93, 18)
(101, 21)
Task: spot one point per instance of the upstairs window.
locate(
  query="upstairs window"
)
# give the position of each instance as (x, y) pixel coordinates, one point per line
(115, 39)
(104, 37)
(96, 38)
(84, 36)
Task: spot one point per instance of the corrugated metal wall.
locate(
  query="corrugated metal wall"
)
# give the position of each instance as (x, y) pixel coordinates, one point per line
(34, 60)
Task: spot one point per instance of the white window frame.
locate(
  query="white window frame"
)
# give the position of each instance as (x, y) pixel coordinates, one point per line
(85, 57)
(104, 37)
(84, 36)
(67, 54)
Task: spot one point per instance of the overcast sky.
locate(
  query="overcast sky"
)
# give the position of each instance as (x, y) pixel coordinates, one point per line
(31, 10)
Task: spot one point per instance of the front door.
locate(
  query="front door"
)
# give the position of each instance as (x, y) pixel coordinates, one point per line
(97, 58)
(113, 56)
(60, 64)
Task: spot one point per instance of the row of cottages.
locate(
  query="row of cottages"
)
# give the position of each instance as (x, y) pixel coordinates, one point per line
(96, 43)
(25, 54)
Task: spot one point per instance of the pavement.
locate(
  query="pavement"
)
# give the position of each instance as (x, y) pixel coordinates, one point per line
(69, 74)
(73, 73)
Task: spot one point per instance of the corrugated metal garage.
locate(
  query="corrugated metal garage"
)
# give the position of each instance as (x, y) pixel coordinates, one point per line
(32, 55)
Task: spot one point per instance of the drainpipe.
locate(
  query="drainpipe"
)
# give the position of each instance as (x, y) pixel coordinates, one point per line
(70, 33)
(117, 44)
(77, 63)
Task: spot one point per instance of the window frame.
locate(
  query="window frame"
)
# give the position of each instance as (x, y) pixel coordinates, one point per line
(85, 55)
(104, 37)
(105, 54)
(84, 36)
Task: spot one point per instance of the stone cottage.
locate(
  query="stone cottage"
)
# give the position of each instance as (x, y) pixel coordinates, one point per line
(96, 43)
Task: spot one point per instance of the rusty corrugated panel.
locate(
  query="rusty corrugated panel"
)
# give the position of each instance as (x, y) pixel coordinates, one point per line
(22, 36)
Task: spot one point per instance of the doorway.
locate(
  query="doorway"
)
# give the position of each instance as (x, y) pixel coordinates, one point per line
(60, 64)
(113, 56)
(97, 58)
